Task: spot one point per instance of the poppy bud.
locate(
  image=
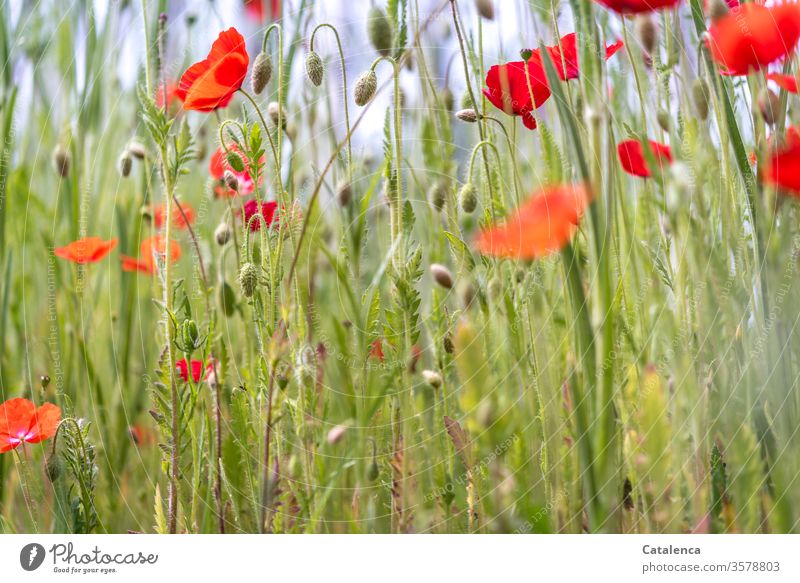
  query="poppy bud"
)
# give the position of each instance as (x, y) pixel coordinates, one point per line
(262, 73)
(468, 198)
(248, 279)
(275, 113)
(442, 275)
(467, 293)
(646, 32)
(283, 381)
(191, 335)
(125, 164)
(227, 299)
(315, 69)
(438, 194)
(663, 119)
(526, 54)
(466, 100)
(344, 193)
(379, 31)
(61, 161)
(769, 104)
(373, 471)
(485, 8)
(231, 181)
(222, 234)
(234, 161)
(365, 88)
(137, 150)
(433, 378)
(467, 115)
(53, 467)
(45, 381)
(700, 97)
(448, 99)
(717, 9)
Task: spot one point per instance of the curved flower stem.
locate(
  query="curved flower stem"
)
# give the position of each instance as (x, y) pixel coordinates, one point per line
(276, 155)
(270, 28)
(344, 89)
(513, 153)
(478, 146)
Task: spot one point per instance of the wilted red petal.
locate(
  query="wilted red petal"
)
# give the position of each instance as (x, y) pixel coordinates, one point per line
(542, 225)
(637, 6)
(632, 159)
(211, 83)
(86, 250)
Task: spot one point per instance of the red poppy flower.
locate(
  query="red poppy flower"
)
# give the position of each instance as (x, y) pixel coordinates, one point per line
(86, 250)
(255, 9)
(785, 82)
(268, 211)
(211, 83)
(783, 165)
(167, 93)
(565, 55)
(507, 89)
(218, 165)
(637, 6)
(183, 370)
(149, 249)
(160, 216)
(22, 422)
(542, 225)
(752, 36)
(631, 157)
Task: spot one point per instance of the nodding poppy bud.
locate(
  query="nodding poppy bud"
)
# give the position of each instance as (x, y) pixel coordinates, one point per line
(276, 115)
(663, 119)
(61, 161)
(433, 378)
(379, 31)
(438, 194)
(526, 54)
(248, 279)
(315, 68)
(717, 9)
(373, 471)
(227, 299)
(467, 115)
(344, 193)
(283, 381)
(222, 234)
(468, 198)
(53, 467)
(700, 97)
(646, 32)
(137, 150)
(262, 73)
(234, 161)
(769, 104)
(231, 181)
(191, 335)
(485, 9)
(467, 293)
(442, 275)
(448, 99)
(466, 100)
(125, 164)
(44, 380)
(365, 88)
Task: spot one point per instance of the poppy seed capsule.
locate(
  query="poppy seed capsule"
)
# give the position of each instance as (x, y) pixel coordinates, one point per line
(769, 104)
(315, 69)
(646, 32)
(467, 115)
(442, 275)
(262, 73)
(248, 279)
(485, 8)
(61, 161)
(700, 98)
(125, 164)
(379, 31)
(222, 234)
(365, 88)
(468, 198)
(231, 181)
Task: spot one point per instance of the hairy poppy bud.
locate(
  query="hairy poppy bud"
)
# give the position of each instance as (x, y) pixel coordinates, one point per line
(379, 31)
(433, 378)
(137, 150)
(717, 9)
(769, 104)
(315, 69)
(485, 9)
(467, 115)
(365, 88)
(646, 32)
(448, 99)
(53, 467)
(227, 299)
(466, 100)
(234, 160)
(248, 279)
(231, 181)
(468, 198)
(663, 119)
(125, 164)
(276, 115)
(467, 293)
(373, 471)
(222, 234)
(442, 275)
(61, 161)
(700, 97)
(344, 193)
(438, 194)
(262, 73)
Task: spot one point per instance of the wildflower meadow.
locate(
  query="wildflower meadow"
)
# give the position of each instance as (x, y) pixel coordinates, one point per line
(399, 266)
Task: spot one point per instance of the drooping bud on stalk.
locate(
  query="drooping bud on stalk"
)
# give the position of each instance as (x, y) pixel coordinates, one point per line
(231, 181)
(137, 150)
(646, 32)
(438, 194)
(222, 234)
(227, 299)
(262, 73)
(485, 8)
(467, 293)
(379, 31)
(468, 198)
(365, 88)
(663, 119)
(125, 164)
(442, 275)
(315, 68)
(769, 104)
(700, 97)
(344, 193)
(248, 279)
(276, 114)
(433, 378)
(467, 115)
(61, 161)
(53, 467)
(448, 99)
